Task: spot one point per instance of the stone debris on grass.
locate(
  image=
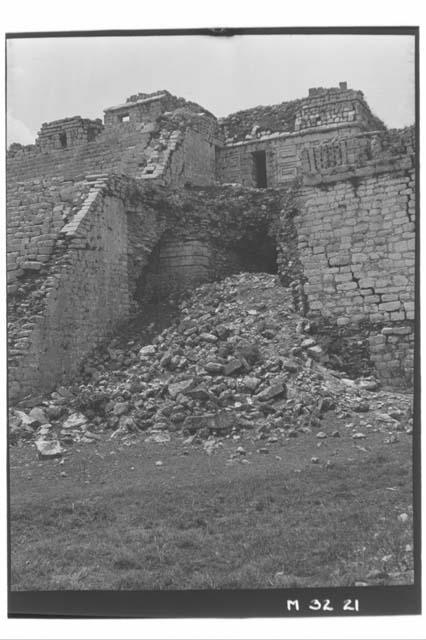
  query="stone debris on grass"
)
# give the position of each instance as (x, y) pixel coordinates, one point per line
(158, 438)
(403, 517)
(37, 415)
(215, 372)
(74, 420)
(148, 350)
(48, 449)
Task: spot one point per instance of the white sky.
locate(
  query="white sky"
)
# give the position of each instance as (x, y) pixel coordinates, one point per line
(52, 78)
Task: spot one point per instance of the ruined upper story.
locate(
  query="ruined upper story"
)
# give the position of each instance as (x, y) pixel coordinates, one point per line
(161, 137)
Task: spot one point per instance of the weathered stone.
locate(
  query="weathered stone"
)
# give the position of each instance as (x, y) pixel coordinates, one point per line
(368, 385)
(158, 438)
(48, 449)
(251, 383)
(74, 421)
(32, 265)
(120, 408)
(233, 366)
(37, 414)
(54, 411)
(148, 350)
(181, 387)
(308, 342)
(274, 391)
(199, 393)
(215, 368)
(165, 360)
(208, 337)
(316, 352)
(25, 419)
(223, 331)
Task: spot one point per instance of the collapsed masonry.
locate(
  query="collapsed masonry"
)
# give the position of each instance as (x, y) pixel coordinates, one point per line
(162, 196)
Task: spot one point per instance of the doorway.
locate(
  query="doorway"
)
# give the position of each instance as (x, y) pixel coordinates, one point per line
(260, 177)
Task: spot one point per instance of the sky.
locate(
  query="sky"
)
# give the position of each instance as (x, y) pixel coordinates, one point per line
(53, 78)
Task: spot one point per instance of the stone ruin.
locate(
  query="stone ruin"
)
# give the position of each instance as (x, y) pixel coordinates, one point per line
(162, 196)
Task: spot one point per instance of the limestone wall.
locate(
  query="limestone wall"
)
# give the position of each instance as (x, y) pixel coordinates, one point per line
(111, 151)
(335, 105)
(36, 212)
(235, 162)
(68, 132)
(124, 238)
(84, 294)
(356, 230)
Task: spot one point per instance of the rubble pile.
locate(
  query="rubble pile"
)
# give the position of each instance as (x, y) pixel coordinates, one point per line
(237, 358)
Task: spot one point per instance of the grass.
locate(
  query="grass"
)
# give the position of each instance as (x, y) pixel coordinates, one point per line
(253, 526)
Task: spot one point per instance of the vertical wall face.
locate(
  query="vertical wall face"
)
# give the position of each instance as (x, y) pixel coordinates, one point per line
(282, 130)
(199, 159)
(236, 163)
(84, 296)
(176, 265)
(69, 132)
(356, 243)
(36, 212)
(334, 106)
(132, 114)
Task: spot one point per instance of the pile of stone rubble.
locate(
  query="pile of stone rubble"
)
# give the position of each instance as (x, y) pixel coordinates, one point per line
(236, 359)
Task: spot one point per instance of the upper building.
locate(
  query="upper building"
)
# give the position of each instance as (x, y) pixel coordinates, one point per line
(161, 137)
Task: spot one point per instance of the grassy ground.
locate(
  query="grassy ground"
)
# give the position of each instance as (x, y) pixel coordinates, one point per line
(116, 520)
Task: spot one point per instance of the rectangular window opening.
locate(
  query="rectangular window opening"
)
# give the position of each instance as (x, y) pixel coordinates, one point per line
(91, 135)
(124, 118)
(260, 177)
(63, 139)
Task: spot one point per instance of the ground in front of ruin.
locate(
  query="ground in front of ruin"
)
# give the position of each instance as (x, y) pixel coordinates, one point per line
(298, 512)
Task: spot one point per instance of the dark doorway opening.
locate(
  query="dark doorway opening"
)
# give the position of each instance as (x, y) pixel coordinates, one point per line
(259, 159)
(258, 254)
(63, 140)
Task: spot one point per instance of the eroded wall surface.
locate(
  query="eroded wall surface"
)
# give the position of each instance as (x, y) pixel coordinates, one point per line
(356, 230)
(123, 241)
(81, 294)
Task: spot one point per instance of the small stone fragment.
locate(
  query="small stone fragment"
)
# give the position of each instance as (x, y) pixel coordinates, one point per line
(149, 350)
(48, 449)
(74, 421)
(274, 391)
(232, 366)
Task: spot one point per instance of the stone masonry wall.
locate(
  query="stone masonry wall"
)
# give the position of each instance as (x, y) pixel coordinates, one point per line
(357, 240)
(36, 212)
(335, 105)
(235, 163)
(283, 130)
(124, 238)
(68, 132)
(111, 151)
(84, 294)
